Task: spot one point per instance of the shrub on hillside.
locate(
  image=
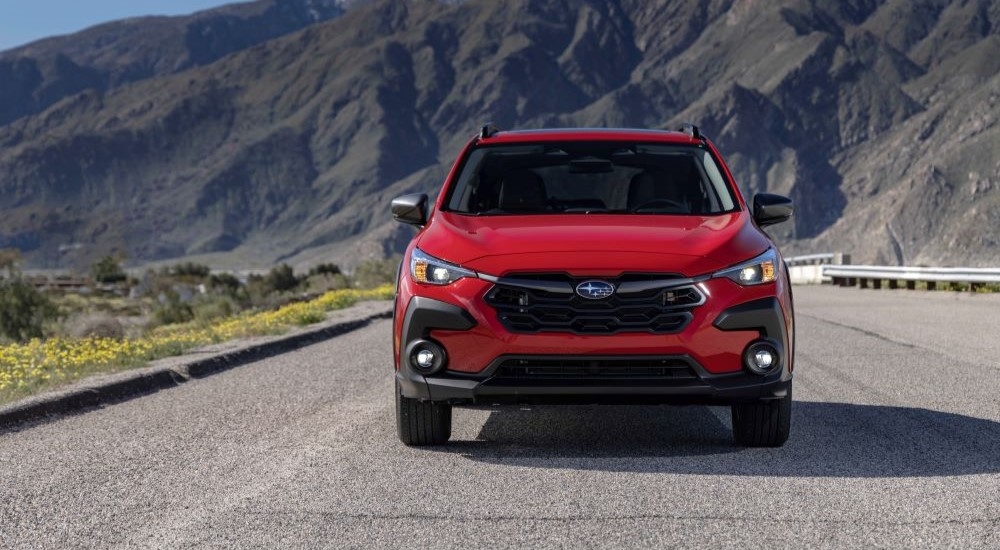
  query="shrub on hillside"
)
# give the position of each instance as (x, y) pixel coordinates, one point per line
(24, 311)
(322, 283)
(96, 325)
(324, 269)
(373, 273)
(172, 310)
(209, 308)
(187, 270)
(108, 270)
(227, 283)
(282, 279)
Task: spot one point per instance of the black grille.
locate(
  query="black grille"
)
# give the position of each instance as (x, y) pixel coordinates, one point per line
(554, 306)
(572, 371)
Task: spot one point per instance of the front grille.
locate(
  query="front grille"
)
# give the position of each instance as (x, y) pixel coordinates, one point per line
(584, 371)
(549, 303)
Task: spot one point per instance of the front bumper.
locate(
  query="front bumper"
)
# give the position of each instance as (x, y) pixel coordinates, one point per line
(704, 356)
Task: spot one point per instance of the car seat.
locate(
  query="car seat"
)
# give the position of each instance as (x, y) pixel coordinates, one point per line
(522, 191)
(652, 185)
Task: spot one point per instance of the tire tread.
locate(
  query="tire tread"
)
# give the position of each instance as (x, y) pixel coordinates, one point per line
(763, 423)
(422, 422)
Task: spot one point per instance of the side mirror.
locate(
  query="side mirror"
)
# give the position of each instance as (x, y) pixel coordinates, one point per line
(770, 209)
(411, 209)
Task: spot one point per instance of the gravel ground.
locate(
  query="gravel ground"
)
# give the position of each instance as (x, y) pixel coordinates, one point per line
(895, 443)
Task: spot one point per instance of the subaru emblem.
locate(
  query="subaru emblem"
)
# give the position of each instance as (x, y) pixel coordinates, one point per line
(595, 290)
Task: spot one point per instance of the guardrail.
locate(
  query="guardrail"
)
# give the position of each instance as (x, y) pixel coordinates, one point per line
(808, 269)
(863, 275)
(834, 267)
(818, 259)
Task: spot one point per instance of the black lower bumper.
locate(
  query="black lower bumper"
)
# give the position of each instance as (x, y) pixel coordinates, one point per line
(489, 388)
(587, 379)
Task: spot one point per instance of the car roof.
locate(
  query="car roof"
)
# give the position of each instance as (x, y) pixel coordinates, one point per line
(590, 134)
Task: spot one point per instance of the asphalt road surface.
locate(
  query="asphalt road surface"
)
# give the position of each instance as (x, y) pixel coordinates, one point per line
(895, 443)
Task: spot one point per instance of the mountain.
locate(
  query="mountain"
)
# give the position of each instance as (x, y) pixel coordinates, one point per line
(108, 56)
(878, 117)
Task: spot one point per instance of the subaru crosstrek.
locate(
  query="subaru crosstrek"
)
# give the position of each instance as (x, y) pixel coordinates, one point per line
(592, 266)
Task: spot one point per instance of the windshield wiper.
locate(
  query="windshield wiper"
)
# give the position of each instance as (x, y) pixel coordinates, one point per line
(585, 210)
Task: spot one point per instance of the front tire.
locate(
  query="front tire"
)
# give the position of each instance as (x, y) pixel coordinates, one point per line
(763, 423)
(422, 422)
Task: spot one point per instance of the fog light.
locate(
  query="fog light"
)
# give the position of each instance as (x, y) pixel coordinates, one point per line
(761, 357)
(425, 356)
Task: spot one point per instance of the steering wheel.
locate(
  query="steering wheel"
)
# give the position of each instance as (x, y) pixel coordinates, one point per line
(660, 203)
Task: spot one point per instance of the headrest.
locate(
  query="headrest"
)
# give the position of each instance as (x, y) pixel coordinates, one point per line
(650, 185)
(522, 190)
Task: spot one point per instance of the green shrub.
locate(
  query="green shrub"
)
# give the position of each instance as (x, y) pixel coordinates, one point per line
(282, 279)
(108, 270)
(225, 282)
(325, 269)
(325, 283)
(95, 325)
(373, 273)
(172, 310)
(189, 270)
(209, 308)
(24, 311)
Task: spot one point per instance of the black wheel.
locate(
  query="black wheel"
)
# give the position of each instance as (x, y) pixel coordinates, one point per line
(422, 422)
(763, 423)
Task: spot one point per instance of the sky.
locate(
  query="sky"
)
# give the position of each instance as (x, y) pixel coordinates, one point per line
(23, 21)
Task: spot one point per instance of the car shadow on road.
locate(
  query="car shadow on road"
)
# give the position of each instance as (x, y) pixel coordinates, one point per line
(828, 440)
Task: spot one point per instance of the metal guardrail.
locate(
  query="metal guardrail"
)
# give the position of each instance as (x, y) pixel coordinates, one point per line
(808, 269)
(862, 275)
(812, 259)
(835, 268)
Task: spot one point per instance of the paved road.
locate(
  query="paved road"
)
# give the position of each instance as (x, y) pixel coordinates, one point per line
(895, 443)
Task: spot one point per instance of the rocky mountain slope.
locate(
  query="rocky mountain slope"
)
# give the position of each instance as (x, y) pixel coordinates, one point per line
(105, 57)
(878, 117)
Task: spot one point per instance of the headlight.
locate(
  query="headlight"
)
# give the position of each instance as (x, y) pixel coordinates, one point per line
(757, 271)
(430, 270)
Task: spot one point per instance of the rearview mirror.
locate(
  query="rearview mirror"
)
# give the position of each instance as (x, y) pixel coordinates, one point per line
(770, 209)
(411, 209)
(591, 165)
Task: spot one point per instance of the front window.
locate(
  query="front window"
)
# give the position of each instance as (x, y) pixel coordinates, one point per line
(587, 177)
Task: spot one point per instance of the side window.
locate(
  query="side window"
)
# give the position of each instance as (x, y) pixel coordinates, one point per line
(467, 187)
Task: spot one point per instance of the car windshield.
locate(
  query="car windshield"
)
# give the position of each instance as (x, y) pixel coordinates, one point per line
(587, 177)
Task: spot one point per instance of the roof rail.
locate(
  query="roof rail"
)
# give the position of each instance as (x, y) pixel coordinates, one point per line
(690, 129)
(489, 130)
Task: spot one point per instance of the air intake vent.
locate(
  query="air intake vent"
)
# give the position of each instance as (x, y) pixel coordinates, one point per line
(584, 371)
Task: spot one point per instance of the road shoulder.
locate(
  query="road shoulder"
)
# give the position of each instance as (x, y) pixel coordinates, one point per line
(104, 389)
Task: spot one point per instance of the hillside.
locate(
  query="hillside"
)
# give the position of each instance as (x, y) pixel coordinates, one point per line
(37, 75)
(878, 117)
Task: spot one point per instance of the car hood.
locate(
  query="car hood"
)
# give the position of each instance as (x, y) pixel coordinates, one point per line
(593, 244)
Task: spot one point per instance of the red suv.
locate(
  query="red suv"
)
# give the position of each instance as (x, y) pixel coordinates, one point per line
(592, 266)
